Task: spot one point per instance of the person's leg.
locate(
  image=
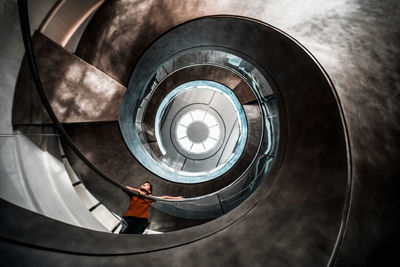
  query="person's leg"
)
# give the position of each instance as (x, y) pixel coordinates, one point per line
(129, 225)
(141, 225)
(135, 225)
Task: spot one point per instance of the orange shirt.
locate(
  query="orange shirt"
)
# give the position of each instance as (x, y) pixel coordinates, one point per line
(139, 207)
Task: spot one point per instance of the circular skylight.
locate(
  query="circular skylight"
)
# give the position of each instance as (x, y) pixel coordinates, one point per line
(198, 131)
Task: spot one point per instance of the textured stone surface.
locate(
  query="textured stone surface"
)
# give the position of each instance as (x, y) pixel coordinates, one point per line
(77, 91)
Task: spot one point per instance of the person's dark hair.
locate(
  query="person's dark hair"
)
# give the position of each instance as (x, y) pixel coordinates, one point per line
(151, 187)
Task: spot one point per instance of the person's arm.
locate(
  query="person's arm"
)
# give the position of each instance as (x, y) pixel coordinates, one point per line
(169, 197)
(143, 194)
(155, 198)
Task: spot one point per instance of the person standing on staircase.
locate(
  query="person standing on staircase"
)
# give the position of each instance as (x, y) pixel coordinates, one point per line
(137, 215)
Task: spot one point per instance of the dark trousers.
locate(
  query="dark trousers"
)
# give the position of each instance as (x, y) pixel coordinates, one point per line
(135, 225)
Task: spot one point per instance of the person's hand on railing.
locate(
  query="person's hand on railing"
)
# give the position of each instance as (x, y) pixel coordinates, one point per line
(169, 197)
(141, 193)
(166, 198)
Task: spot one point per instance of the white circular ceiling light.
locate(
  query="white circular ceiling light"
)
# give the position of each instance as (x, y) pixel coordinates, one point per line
(198, 131)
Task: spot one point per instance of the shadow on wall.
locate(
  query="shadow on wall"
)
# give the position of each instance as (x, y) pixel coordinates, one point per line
(77, 91)
(118, 59)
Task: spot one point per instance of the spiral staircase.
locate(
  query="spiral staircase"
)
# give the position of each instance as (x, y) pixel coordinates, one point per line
(278, 122)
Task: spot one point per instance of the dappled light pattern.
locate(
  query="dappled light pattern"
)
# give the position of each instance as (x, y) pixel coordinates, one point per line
(77, 91)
